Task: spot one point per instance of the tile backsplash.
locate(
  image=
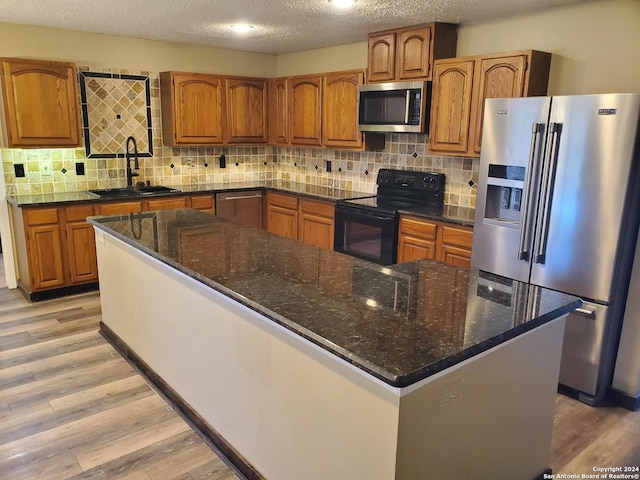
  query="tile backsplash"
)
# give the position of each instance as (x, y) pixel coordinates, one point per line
(169, 166)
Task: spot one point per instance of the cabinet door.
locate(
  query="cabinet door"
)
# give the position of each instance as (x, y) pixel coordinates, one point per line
(413, 54)
(317, 223)
(451, 106)
(81, 245)
(456, 245)
(282, 215)
(456, 256)
(192, 107)
(305, 95)
(246, 101)
(279, 111)
(40, 101)
(339, 109)
(382, 57)
(501, 77)
(45, 256)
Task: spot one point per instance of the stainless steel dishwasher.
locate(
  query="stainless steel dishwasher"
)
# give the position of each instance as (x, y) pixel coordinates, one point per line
(241, 207)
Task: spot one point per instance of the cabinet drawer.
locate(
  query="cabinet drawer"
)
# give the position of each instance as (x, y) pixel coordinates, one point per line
(79, 213)
(284, 201)
(202, 203)
(459, 237)
(418, 228)
(168, 203)
(119, 208)
(41, 216)
(318, 208)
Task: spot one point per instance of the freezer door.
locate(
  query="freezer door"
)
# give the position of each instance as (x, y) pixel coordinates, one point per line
(512, 150)
(590, 147)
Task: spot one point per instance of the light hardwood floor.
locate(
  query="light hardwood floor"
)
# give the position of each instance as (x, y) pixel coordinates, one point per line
(72, 408)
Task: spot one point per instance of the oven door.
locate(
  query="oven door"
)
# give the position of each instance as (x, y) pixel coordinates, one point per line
(366, 234)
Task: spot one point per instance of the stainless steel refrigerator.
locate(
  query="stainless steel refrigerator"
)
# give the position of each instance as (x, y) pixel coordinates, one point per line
(558, 205)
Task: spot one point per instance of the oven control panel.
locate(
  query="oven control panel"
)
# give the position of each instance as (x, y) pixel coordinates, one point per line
(411, 180)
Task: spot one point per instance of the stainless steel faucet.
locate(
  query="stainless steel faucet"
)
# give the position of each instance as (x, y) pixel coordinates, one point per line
(131, 173)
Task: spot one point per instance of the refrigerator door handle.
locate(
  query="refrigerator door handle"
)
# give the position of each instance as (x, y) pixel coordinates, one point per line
(586, 312)
(525, 231)
(549, 176)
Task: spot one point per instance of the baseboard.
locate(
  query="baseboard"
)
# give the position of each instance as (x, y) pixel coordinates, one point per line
(623, 399)
(57, 292)
(197, 422)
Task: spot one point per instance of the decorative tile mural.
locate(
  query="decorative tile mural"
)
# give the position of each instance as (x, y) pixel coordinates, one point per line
(114, 107)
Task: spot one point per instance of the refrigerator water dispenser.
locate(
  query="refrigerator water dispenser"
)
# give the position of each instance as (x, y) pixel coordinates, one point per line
(504, 195)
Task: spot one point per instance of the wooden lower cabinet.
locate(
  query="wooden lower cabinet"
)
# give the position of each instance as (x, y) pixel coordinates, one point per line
(416, 240)
(422, 238)
(55, 246)
(44, 244)
(282, 215)
(81, 245)
(316, 223)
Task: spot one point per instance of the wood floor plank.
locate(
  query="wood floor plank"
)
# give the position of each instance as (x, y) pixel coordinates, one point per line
(50, 348)
(65, 395)
(53, 387)
(133, 442)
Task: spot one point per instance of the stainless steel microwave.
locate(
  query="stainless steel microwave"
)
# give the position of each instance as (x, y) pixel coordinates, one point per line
(394, 107)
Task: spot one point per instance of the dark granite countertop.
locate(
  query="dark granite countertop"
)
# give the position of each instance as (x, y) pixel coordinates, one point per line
(448, 213)
(443, 314)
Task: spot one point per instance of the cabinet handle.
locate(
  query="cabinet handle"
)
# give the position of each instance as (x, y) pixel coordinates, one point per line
(240, 197)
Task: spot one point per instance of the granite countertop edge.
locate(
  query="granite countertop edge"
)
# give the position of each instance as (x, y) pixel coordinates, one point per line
(397, 381)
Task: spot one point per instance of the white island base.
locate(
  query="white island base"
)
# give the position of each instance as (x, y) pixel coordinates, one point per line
(292, 410)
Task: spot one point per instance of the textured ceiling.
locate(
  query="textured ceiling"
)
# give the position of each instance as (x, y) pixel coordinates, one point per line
(281, 26)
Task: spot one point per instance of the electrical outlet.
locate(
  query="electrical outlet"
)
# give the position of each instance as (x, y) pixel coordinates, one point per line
(450, 393)
(45, 168)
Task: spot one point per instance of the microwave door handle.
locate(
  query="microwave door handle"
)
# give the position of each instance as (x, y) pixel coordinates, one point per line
(532, 168)
(406, 110)
(551, 160)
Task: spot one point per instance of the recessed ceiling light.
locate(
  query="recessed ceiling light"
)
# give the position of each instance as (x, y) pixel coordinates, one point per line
(242, 27)
(342, 3)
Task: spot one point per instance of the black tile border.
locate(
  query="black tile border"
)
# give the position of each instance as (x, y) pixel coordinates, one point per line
(196, 421)
(85, 114)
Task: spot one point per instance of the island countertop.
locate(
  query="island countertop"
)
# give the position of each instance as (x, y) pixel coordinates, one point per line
(400, 324)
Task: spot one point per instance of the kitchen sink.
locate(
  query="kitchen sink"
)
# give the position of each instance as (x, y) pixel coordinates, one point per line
(147, 190)
(127, 192)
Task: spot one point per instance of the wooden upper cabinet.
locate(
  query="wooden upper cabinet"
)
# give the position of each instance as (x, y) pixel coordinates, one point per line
(279, 111)
(305, 96)
(503, 75)
(40, 103)
(408, 53)
(339, 109)
(382, 57)
(413, 59)
(192, 108)
(246, 101)
(451, 106)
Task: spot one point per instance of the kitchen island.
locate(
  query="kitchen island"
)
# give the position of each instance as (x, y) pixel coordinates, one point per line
(304, 363)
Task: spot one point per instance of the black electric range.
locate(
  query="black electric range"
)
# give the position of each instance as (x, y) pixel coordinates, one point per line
(367, 227)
